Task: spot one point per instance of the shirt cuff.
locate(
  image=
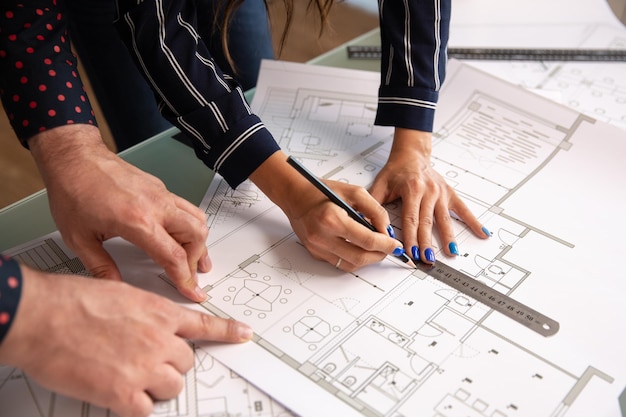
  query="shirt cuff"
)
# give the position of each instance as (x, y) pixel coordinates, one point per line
(406, 107)
(10, 292)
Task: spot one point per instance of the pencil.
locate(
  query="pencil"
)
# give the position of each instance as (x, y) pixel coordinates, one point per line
(354, 215)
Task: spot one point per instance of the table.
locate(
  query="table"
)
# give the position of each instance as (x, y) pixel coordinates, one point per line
(170, 160)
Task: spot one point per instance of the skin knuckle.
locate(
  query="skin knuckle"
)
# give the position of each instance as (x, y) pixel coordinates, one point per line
(360, 260)
(444, 217)
(369, 241)
(426, 221)
(412, 219)
(314, 239)
(101, 271)
(232, 330)
(432, 188)
(328, 219)
(203, 231)
(139, 407)
(178, 384)
(207, 323)
(125, 400)
(188, 358)
(380, 211)
(361, 192)
(178, 255)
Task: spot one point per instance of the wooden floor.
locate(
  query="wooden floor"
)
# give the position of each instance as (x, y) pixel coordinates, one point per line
(18, 173)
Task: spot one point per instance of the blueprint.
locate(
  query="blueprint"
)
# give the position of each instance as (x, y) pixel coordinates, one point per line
(210, 388)
(594, 88)
(389, 340)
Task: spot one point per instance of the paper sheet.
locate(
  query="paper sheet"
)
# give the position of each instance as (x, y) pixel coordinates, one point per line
(389, 340)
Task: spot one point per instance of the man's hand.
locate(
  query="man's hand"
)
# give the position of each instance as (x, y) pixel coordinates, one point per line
(106, 342)
(94, 196)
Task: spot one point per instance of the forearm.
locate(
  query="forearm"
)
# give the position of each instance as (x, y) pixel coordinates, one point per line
(63, 151)
(280, 182)
(411, 143)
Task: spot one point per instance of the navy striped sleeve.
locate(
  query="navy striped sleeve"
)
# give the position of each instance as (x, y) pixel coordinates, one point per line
(193, 92)
(414, 39)
(10, 292)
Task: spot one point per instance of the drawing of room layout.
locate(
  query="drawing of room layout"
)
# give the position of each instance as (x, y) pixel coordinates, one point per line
(210, 388)
(389, 340)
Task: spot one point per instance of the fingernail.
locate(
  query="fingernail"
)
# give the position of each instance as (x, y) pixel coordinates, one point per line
(430, 255)
(398, 251)
(201, 293)
(454, 249)
(415, 253)
(486, 231)
(391, 232)
(244, 332)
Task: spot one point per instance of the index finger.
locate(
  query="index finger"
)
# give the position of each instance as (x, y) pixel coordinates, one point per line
(201, 326)
(176, 242)
(366, 239)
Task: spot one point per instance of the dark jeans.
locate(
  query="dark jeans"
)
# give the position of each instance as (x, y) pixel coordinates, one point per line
(125, 98)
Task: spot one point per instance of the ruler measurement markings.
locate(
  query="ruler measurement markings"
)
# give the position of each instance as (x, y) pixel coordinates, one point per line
(491, 297)
(511, 54)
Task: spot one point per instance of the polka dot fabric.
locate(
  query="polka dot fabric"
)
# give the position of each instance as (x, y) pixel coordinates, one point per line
(10, 292)
(39, 82)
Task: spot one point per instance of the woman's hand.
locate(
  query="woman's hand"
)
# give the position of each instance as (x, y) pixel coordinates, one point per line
(324, 228)
(427, 199)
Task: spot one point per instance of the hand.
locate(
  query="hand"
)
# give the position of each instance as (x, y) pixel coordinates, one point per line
(94, 195)
(325, 229)
(427, 198)
(106, 342)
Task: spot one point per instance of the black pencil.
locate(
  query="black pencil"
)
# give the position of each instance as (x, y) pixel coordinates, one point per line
(354, 215)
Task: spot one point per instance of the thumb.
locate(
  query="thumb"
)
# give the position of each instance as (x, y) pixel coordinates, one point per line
(200, 326)
(98, 261)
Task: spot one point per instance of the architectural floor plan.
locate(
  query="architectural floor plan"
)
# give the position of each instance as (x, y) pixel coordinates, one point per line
(210, 389)
(596, 89)
(389, 340)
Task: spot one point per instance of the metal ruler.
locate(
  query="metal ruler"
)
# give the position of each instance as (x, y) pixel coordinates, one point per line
(483, 293)
(509, 54)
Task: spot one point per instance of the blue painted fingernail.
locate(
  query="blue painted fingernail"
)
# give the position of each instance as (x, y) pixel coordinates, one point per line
(430, 255)
(486, 231)
(454, 249)
(391, 232)
(398, 251)
(415, 253)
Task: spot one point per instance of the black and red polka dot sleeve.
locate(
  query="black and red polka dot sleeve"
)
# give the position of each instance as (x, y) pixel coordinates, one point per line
(10, 292)
(39, 82)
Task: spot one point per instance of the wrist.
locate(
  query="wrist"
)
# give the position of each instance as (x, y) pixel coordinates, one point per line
(279, 181)
(411, 142)
(57, 150)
